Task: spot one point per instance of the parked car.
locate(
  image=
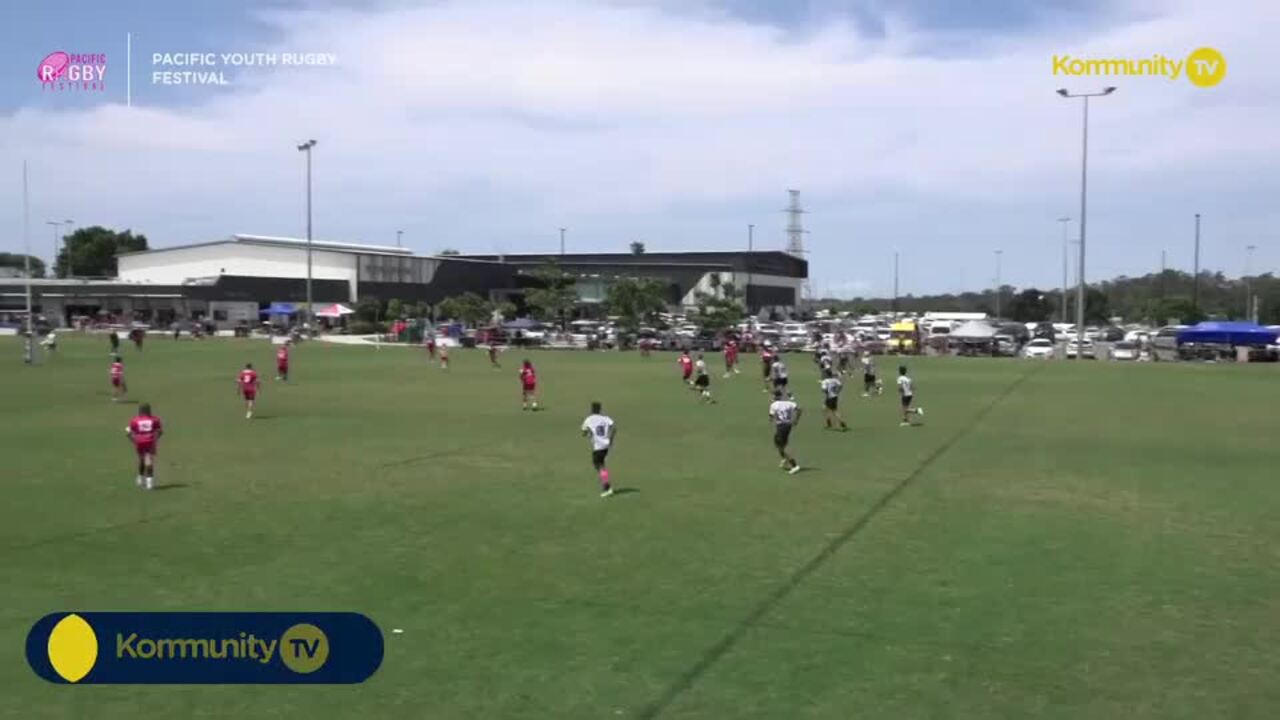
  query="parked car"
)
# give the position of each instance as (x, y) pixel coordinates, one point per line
(1039, 349)
(1006, 346)
(1124, 350)
(1085, 350)
(1111, 333)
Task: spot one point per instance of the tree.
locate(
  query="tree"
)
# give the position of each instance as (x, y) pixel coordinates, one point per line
(637, 248)
(469, 308)
(719, 311)
(449, 251)
(395, 308)
(369, 309)
(1030, 305)
(91, 251)
(556, 296)
(15, 260)
(635, 301)
(503, 310)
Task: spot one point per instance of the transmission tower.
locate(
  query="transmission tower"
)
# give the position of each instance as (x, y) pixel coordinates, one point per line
(795, 237)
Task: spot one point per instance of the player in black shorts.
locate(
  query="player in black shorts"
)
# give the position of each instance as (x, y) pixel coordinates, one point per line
(831, 387)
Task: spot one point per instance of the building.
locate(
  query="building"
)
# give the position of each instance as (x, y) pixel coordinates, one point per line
(230, 281)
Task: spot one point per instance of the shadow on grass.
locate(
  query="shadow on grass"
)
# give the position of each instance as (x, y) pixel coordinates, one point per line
(170, 486)
(625, 490)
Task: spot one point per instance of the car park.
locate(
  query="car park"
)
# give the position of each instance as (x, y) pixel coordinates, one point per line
(1082, 350)
(1124, 350)
(1039, 349)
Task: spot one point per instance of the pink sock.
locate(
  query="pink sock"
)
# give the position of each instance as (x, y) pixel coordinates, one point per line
(604, 477)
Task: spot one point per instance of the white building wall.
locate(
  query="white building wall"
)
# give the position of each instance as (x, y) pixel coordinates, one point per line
(739, 281)
(181, 264)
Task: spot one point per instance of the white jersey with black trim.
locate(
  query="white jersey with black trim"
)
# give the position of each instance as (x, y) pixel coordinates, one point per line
(600, 428)
(783, 412)
(904, 386)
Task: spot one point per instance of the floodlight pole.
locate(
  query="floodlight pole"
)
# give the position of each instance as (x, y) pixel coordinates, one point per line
(1065, 222)
(306, 148)
(1195, 279)
(562, 241)
(746, 291)
(1248, 285)
(28, 346)
(998, 254)
(1084, 194)
(895, 284)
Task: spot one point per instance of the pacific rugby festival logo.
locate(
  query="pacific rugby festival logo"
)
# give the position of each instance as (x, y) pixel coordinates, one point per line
(204, 648)
(62, 71)
(1204, 67)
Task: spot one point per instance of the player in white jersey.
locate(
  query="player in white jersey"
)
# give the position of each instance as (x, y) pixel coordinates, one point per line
(906, 390)
(778, 373)
(702, 380)
(785, 414)
(601, 429)
(831, 387)
(870, 382)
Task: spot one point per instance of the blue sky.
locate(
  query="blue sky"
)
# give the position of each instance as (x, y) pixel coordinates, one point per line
(926, 128)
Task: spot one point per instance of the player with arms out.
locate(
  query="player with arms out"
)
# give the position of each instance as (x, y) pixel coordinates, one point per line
(528, 386)
(145, 430)
(906, 390)
(869, 381)
(118, 386)
(602, 430)
(702, 380)
(247, 387)
(831, 387)
(785, 415)
(282, 362)
(686, 367)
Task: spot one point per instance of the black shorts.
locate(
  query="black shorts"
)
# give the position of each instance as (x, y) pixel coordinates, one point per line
(781, 435)
(906, 400)
(703, 381)
(779, 383)
(869, 379)
(832, 402)
(598, 456)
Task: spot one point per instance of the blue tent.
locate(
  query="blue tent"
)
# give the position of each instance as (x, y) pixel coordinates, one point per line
(1227, 333)
(280, 308)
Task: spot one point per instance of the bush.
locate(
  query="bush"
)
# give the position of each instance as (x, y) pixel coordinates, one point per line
(362, 327)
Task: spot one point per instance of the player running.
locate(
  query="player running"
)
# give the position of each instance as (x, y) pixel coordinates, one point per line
(493, 356)
(686, 367)
(730, 357)
(429, 342)
(778, 373)
(906, 390)
(869, 381)
(282, 362)
(767, 358)
(601, 429)
(702, 383)
(831, 387)
(785, 415)
(247, 387)
(145, 430)
(118, 386)
(444, 357)
(528, 386)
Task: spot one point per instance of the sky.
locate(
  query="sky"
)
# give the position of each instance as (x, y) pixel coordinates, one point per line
(928, 129)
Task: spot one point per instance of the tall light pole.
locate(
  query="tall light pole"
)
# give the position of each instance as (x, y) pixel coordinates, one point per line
(1163, 268)
(751, 245)
(29, 346)
(1084, 194)
(1065, 222)
(398, 234)
(998, 254)
(1195, 278)
(562, 241)
(895, 284)
(306, 148)
(1248, 285)
(56, 226)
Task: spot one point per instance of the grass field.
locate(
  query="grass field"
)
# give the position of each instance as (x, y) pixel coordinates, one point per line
(1057, 541)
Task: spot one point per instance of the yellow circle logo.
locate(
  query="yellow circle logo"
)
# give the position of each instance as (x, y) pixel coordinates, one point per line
(1206, 67)
(304, 648)
(73, 648)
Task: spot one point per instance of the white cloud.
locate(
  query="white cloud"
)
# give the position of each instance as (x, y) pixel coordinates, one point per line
(530, 115)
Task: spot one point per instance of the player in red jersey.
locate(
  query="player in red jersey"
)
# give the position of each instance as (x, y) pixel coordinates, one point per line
(429, 342)
(145, 430)
(767, 357)
(282, 362)
(730, 357)
(118, 386)
(686, 367)
(247, 386)
(528, 387)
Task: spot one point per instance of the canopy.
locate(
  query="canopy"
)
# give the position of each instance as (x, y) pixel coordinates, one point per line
(975, 330)
(280, 308)
(523, 324)
(334, 310)
(1227, 333)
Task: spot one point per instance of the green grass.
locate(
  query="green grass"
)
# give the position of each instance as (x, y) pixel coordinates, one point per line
(1057, 541)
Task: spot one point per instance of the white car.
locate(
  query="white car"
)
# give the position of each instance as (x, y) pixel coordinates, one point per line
(1038, 349)
(1074, 348)
(1124, 350)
